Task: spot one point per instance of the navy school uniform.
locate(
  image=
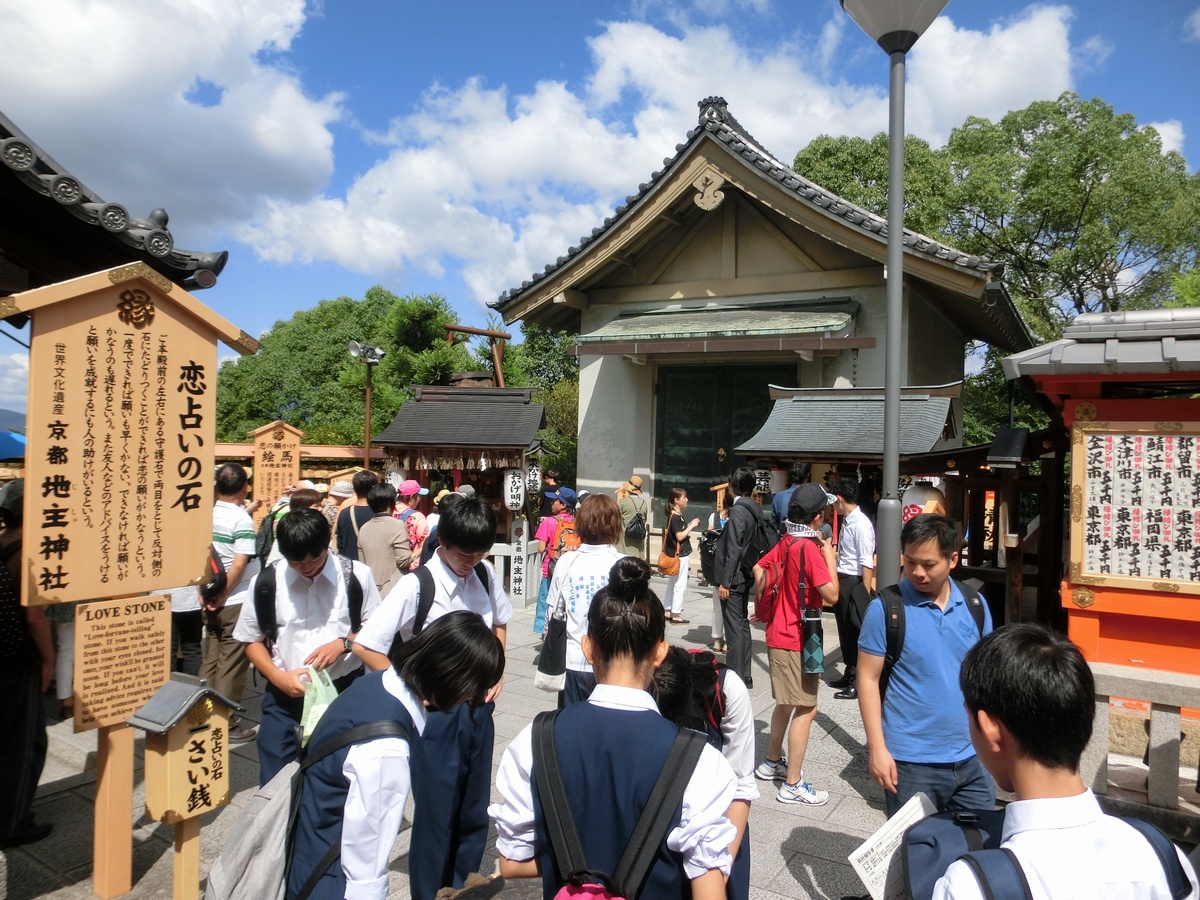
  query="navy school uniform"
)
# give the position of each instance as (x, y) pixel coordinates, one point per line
(607, 788)
(323, 798)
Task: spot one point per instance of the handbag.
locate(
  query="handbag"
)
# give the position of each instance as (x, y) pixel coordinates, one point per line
(668, 565)
(551, 672)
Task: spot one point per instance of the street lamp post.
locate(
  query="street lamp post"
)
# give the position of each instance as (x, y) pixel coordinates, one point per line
(895, 25)
(371, 356)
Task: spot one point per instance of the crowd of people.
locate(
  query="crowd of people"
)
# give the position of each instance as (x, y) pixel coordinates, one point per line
(410, 622)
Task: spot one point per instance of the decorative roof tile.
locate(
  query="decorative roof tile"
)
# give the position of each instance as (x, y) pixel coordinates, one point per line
(119, 237)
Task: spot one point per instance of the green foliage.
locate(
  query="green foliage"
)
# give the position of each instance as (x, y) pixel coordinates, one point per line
(304, 375)
(1187, 289)
(1083, 206)
(546, 355)
(986, 398)
(857, 170)
(560, 436)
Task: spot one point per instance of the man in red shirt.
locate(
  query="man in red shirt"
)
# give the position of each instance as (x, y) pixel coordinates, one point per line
(810, 560)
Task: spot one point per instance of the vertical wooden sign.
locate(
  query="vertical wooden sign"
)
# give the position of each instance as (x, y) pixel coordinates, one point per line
(118, 492)
(119, 460)
(276, 462)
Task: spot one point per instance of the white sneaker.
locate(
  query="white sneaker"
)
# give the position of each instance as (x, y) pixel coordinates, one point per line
(770, 771)
(801, 793)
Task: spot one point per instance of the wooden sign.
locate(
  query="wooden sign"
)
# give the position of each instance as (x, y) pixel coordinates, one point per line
(119, 460)
(122, 656)
(1135, 505)
(187, 768)
(520, 547)
(276, 463)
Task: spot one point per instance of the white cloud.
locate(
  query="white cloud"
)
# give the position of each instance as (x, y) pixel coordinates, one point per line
(956, 72)
(194, 100)
(104, 88)
(1191, 26)
(1170, 133)
(14, 380)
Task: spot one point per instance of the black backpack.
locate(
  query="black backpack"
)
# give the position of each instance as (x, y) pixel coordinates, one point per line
(893, 618)
(264, 601)
(427, 589)
(635, 531)
(708, 554)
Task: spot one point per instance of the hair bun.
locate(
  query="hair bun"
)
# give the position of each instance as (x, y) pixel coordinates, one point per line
(628, 578)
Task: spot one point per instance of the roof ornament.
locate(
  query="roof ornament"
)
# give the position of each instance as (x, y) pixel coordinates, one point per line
(713, 109)
(709, 185)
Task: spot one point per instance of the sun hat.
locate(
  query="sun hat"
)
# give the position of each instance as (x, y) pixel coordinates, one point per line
(341, 489)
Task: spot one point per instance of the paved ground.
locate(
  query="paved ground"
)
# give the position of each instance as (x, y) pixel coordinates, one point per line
(797, 852)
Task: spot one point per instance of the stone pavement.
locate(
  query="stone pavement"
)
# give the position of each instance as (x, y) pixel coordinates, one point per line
(797, 851)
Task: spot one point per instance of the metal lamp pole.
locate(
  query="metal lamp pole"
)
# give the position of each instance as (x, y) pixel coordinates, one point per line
(896, 26)
(371, 357)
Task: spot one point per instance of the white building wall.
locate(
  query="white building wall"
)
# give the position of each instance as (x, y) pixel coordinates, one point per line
(616, 422)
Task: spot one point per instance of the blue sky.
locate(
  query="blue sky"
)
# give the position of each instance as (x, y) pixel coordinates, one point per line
(456, 148)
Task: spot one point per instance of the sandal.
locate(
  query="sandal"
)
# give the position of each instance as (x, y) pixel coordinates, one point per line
(680, 620)
(718, 647)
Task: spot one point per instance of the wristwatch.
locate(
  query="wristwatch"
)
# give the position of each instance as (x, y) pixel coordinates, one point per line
(347, 644)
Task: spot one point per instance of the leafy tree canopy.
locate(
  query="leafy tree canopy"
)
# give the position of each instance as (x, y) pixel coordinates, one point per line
(304, 375)
(1083, 206)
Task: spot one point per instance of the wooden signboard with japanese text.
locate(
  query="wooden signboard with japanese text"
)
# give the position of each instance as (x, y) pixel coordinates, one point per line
(119, 460)
(187, 768)
(1135, 505)
(276, 463)
(122, 656)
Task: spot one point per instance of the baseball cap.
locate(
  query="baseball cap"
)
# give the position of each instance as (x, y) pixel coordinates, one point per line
(813, 499)
(409, 486)
(566, 495)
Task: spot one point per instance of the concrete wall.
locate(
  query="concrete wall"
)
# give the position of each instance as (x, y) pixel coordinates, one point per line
(616, 422)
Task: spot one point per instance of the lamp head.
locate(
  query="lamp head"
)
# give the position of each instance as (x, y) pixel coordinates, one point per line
(894, 24)
(355, 348)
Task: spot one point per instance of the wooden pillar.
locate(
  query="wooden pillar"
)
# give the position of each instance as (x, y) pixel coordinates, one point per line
(113, 835)
(187, 859)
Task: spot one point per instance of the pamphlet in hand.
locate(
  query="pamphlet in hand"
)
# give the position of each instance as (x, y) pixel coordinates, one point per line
(877, 861)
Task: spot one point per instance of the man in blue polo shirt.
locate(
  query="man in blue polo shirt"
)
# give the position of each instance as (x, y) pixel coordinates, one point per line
(917, 733)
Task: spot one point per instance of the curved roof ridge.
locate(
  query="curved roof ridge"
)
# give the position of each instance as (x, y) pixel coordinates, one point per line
(716, 120)
(149, 237)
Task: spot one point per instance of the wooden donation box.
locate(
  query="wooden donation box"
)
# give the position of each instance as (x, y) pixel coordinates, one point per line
(1135, 532)
(187, 749)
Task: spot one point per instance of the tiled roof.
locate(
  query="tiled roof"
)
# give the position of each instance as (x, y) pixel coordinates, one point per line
(488, 418)
(1139, 342)
(95, 235)
(829, 427)
(717, 123)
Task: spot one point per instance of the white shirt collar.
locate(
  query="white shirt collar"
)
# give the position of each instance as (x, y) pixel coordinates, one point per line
(1051, 814)
(611, 696)
(402, 692)
(328, 572)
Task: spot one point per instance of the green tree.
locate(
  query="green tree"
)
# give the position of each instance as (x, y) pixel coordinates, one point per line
(303, 374)
(546, 355)
(560, 437)
(1085, 209)
(856, 169)
(1187, 289)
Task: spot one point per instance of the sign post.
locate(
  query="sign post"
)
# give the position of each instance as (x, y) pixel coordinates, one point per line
(118, 498)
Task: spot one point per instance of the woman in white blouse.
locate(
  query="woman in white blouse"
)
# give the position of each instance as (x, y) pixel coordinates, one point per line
(576, 579)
